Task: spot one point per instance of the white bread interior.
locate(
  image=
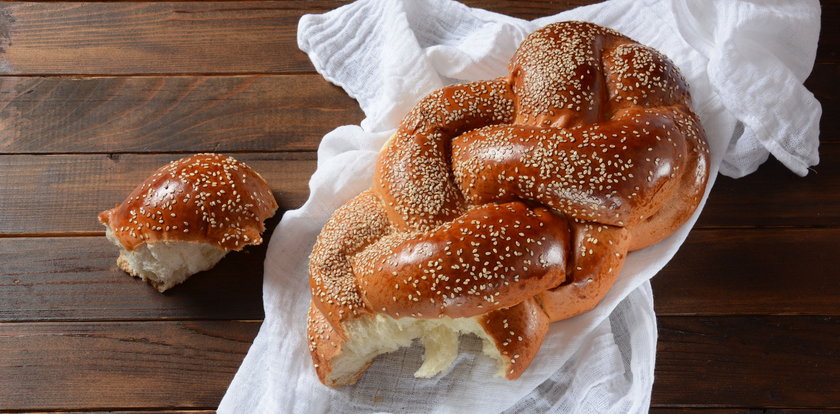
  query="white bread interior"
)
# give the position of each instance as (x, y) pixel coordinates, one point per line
(381, 334)
(167, 263)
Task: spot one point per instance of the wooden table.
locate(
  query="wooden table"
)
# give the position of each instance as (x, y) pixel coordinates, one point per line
(95, 96)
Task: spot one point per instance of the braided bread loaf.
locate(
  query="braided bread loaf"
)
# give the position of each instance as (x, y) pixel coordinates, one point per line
(501, 206)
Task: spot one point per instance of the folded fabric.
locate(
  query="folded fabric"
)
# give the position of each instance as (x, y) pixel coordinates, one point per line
(745, 62)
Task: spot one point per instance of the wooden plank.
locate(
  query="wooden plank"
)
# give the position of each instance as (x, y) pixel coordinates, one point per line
(64, 193)
(748, 361)
(752, 271)
(120, 366)
(717, 272)
(199, 113)
(822, 83)
(166, 114)
(166, 37)
(145, 411)
(528, 10)
(703, 410)
(193, 113)
(76, 278)
(774, 196)
(654, 410)
(744, 361)
(828, 47)
(155, 411)
(157, 37)
(199, 37)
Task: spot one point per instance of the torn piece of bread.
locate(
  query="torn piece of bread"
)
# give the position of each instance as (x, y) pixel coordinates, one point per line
(167, 263)
(187, 216)
(509, 336)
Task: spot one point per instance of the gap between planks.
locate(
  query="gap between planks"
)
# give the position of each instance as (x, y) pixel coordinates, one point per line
(727, 409)
(53, 234)
(155, 75)
(819, 61)
(88, 321)
(654, 409)
(309, 154)
(122, 410)
(699, 228)
(659, 316)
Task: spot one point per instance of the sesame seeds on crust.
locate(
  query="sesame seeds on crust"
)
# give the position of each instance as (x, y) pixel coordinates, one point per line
(486, 259)
(207, 198)
(610, 173)
(589, 144)
(517, 332)
(354, 226)
(413, 176)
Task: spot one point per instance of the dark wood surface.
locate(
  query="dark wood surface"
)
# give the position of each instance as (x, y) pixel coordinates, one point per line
(170, 113)
(95, 96)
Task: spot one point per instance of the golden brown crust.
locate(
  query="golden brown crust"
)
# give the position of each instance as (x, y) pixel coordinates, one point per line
(688, 192)
(324, 344)
(556, 74)
(205, 198)
(596, 173)
(517, 332)
(589, 148)
(332, 283)
(413, 177)
(490, 257)
(599, 253)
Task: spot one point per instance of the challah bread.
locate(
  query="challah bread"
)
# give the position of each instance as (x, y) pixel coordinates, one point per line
(188, 215)
(501, 206)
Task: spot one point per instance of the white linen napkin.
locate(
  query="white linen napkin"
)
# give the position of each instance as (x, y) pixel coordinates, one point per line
(745, 62)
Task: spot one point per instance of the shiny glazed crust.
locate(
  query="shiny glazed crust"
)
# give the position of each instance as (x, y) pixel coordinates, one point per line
(204, 198)
(516, 199)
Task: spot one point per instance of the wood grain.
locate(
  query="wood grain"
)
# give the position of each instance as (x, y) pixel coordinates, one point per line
(748, 361)
(528, 9)
(155, 411)
(170, 114)
(822, 82)
(744, 361)
(198, 37)
(703, 410)
(752, 271)
(156, 37)
(215, 113)
(716, 272)
(64, 193)
(748, 309)
(654, 410)
(775, 196)
(57, 194)
(119, 365)
(76, 279)
(828, 48)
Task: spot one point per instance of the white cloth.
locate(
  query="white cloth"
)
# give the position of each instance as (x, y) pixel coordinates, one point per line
(745, 62)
